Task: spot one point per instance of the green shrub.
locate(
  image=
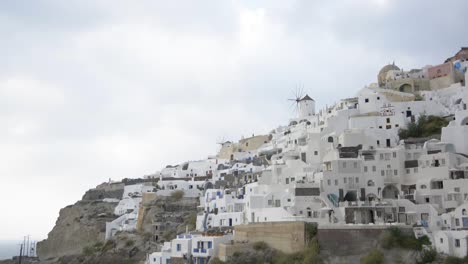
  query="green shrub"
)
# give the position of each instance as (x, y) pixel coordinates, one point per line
(374, 257)
(216, 260)
(395, 238)
(310, 230)
(88, 251)
(427, 256)
(110, 244)
(455, 260)
(177, 195)
(169, 234)
(129, 243)
(260, 246)
(424, 127)
(311, 253)
(191, 221)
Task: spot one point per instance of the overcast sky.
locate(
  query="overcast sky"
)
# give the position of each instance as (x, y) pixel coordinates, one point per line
(92, 90)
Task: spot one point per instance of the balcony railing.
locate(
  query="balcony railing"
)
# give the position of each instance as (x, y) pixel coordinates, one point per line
(391, 179)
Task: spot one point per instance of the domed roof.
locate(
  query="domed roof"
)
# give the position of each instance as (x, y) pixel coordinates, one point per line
(388, 68)
(383, 72)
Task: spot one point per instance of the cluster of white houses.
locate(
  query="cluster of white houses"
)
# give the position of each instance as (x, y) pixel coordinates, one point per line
(342, 165)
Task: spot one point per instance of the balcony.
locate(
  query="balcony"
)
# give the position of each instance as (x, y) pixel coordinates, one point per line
(391, 179)
(450, 204)
(352, 186)
(202, 252)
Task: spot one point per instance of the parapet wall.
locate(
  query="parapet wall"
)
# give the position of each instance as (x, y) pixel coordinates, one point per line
(288, 237)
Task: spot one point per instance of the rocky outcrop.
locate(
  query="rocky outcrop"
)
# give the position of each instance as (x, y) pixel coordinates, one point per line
(77, 226)
(78, 235)
(105, 190)
(161, 218)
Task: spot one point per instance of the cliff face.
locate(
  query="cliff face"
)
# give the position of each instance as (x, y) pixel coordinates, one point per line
(77, 226)
(78, 235)
(162, 218)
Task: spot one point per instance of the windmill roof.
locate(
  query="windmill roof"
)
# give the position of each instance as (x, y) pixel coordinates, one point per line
(307, 97)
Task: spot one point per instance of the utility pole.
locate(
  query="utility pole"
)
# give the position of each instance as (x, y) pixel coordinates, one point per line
(21, 253)
(27, 247)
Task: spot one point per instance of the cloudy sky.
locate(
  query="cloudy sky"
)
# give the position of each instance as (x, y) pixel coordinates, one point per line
(92, 90)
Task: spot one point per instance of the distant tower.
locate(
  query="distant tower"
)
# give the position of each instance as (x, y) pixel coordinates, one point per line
(306, 107)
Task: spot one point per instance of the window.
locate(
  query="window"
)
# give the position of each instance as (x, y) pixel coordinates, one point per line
(374, 168)
(357, 179)
(315, 153)
(366, 100)
(382, 172)
(277, 203)
(378, 142)
(370, 183)
(336, 182)
(355, 165)
(464, 212)
(441, 240)
(365, 168)
(329, 182)
(408, 171)
(423, 186)
(457, 243)
(381, 156)
(344, 180)
(395, 172)
(388, 120)
(210, 244)
(179, 247)
(456, 189)
(457, 221)
(344, 164)
(394, 154)
(378, 97)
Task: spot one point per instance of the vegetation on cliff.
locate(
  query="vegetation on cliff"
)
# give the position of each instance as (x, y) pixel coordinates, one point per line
(425, 126)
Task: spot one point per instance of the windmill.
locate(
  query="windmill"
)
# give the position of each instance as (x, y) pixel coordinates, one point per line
(297, 93)
(221, 140)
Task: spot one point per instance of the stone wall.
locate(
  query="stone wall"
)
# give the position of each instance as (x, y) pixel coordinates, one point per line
(351, 240)
(288, 237)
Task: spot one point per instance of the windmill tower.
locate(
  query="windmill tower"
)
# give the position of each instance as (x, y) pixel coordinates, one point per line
(304, 105)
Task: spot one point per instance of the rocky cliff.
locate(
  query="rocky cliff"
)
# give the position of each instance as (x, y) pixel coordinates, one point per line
(77, 226)
(78, 235)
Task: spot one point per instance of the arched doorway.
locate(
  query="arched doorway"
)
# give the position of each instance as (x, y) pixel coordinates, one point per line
(351, 196)
(390, 192)
(371, 197)
(406, 88)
